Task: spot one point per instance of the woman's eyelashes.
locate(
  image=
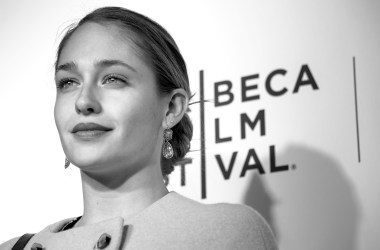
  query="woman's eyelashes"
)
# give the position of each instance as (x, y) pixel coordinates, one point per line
(112, 80)
(65, 83)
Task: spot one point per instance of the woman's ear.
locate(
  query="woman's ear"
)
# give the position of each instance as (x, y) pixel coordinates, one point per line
(177, 107)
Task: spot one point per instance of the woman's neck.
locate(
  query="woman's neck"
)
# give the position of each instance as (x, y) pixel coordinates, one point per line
(124, 197)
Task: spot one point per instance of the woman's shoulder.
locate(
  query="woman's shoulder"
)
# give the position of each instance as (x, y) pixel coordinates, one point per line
(219, 211)
(235, 224)
(7, 245)
(246, 225)
(235, 216)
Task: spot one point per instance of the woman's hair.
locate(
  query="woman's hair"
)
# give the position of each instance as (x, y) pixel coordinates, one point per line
(164, 57)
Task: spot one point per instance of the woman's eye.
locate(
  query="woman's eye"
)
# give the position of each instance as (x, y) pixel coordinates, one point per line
(65, 83)
(115, 80)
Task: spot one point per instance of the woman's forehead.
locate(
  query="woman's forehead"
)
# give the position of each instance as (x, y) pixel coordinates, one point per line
(94, 42)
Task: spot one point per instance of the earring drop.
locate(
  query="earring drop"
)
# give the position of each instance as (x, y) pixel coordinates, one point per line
(167, 149)
(67, 163)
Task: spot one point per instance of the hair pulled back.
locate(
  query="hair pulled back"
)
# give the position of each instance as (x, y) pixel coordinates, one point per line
(164, 57)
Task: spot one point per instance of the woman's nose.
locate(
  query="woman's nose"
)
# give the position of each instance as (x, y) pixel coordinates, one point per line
(87, 102)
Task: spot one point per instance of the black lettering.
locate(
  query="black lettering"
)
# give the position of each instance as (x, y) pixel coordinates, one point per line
(268, 83)
(308, 81)
(227, 92)
(226, 173)
(244, 119)
(218, 139)
(183, 163)
(257, 165)
(245, 88)
(273, 167)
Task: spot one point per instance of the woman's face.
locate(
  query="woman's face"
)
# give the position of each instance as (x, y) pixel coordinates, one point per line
(108, 111)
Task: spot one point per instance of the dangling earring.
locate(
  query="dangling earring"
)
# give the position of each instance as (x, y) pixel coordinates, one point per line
(67, 163)
(167, 149)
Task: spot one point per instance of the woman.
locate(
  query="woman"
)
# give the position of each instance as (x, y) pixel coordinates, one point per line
(122, 97)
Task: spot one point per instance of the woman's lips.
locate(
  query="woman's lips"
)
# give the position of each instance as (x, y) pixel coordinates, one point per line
(89, 127)
(89, 131)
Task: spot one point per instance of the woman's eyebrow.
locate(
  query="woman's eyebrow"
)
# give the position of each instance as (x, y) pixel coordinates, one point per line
(107, 63)
(70, 66)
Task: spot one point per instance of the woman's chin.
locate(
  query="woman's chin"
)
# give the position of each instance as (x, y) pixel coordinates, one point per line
(88, 164)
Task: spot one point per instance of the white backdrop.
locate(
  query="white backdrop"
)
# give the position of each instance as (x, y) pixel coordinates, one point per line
(325, 197)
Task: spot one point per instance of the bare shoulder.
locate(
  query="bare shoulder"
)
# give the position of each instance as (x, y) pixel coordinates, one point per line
(9, 244)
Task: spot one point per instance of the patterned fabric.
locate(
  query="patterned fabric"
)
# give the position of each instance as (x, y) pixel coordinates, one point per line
(173, 222)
